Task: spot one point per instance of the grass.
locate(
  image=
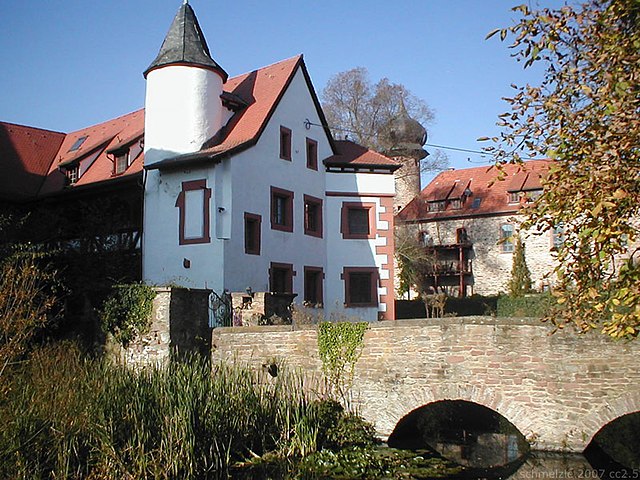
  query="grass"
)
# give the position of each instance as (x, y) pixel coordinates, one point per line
(69, 416)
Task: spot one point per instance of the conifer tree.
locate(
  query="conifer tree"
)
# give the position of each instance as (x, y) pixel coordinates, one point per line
(520, 282)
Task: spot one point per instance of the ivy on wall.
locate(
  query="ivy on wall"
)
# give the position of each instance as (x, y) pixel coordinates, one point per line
(127, 312)
(340, 346)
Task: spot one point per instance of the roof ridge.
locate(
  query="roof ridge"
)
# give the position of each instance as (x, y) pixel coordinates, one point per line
(31, 127)
(119, 117)
(297, 57)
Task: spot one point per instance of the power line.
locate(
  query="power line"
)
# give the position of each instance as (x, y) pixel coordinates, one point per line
(308, 123)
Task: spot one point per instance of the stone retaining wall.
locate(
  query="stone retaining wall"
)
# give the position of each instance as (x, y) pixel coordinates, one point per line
(558, 390)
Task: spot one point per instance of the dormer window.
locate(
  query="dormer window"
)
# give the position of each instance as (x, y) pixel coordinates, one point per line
(436, 206)
(533, 195)
(456, 203)
(120, 162)
(78, 143)
(514, 197)
(73, 173)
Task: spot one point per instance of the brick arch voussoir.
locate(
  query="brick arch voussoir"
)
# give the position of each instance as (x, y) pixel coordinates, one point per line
(622, 405)
(483, 395)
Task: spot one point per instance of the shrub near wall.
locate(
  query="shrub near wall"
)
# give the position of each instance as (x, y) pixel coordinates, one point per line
(533, 305)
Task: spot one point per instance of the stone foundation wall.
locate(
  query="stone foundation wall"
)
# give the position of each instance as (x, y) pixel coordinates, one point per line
(558, 390)
(180, 324)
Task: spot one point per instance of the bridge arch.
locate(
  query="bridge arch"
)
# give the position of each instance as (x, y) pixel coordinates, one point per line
(616, 408)
(486, 396)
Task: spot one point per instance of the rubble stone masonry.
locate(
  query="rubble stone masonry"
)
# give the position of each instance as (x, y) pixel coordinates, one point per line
(557, 389)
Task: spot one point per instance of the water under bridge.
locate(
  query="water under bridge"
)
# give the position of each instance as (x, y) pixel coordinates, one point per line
(558, 389)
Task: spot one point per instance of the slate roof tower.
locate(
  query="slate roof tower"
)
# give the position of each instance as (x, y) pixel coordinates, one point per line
(183, 108)
(403, 138)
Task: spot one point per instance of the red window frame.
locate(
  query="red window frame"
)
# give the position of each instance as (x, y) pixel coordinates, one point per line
(349, 276)
(252, 239)
(313, 293)
(313, 204)
(281, 268)
(371, 215)
(180, 203)
(285, 143)
(284, 224)
(312, 154)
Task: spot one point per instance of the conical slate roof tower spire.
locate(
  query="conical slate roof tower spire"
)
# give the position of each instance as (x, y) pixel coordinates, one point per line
(185, 45)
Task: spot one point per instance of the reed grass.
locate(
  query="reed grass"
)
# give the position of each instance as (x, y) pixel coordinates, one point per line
(70, 416)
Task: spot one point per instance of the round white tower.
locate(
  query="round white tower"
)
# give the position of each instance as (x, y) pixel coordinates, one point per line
(183, 108)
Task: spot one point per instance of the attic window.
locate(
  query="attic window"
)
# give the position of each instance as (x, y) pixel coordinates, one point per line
(436, 206)
(121, 162)
(456, 203)
(533, 195)
(476, 202)
(73, 173)
(514, 197)
(78, 143)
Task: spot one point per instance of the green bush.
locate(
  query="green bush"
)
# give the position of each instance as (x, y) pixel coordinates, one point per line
(338, 429)
(532, 305)
(127, 312)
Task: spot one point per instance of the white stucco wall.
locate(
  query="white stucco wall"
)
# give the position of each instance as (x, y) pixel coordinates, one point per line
(254, 172)
(182, 110)
(243, 184)
(164, 258)
(355, 252)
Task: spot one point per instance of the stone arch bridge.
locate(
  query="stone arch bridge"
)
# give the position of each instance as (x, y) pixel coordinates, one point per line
(557, 389)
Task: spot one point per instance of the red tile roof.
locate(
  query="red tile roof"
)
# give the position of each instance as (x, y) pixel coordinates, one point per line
(36, 168)
(261, 91)
(25, 155)
(349, 154)
(100, 139)
(489, 195)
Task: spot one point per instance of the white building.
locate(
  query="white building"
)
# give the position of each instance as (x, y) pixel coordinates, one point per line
(245, 187)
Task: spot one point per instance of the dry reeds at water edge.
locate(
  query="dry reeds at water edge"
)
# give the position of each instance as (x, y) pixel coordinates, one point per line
(70, 416)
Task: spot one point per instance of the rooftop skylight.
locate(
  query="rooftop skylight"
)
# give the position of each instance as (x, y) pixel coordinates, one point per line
(78, 143)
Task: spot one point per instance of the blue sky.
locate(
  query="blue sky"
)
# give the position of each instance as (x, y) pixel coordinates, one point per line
(68, 65)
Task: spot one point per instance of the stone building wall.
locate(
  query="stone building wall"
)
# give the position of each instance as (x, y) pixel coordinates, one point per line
(407, 180)
(557, 389)
(492, 266)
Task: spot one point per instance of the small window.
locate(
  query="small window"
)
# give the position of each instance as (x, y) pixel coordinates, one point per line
(436, 206)
(456, 203)
(461, 235)
(73, 174)
(506, 238)
(361, 286)
(252, 226)
(313, 286)
(121, 162)
(78, 143)
(312, 216)
(285, 143)
(358, 220)
(476, 203)
(312, 154)
(281, 209)
(514, 197)
(557, 236)
(281, 278)
(425, 239)
(533, 195)
(194, 204)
